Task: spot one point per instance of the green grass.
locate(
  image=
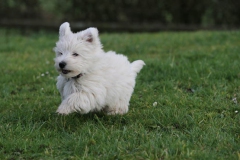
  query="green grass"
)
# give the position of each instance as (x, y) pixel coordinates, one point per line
(193, 77)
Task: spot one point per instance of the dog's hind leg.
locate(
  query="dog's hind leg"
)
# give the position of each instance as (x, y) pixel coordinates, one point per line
(119, 107)
(114, 111)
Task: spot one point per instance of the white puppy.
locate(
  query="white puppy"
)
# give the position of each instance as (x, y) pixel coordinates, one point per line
(90, 79)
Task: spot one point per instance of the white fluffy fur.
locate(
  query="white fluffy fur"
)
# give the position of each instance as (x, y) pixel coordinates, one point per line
(107, 80)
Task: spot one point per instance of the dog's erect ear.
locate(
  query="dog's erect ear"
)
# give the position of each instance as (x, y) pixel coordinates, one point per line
(64, 29)
(88, 35)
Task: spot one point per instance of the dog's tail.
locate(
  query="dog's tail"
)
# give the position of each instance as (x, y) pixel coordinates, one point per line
(136, 66)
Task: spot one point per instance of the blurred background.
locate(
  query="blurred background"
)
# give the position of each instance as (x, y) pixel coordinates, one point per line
(121, 15)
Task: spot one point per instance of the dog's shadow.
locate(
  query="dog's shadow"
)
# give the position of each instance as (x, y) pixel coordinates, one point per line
(76, 121)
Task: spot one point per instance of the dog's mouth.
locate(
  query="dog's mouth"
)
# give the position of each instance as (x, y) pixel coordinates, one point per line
(65, 71)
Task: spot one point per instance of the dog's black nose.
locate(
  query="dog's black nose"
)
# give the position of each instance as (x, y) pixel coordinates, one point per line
(62, 64)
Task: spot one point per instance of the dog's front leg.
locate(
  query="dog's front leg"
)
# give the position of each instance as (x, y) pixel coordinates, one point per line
(61, 81)
(76, 102)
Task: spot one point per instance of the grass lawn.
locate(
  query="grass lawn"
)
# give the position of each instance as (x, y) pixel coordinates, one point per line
(193, 76)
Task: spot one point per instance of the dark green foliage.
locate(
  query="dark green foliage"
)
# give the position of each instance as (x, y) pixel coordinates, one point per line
(203, 13)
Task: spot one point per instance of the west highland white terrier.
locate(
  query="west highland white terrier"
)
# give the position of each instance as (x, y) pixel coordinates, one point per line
(91, 80)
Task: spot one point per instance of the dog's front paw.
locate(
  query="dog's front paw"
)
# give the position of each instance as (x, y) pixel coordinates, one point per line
(64, 109)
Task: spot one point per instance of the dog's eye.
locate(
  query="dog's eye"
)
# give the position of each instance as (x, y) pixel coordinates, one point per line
(59, 53)
(75, 54)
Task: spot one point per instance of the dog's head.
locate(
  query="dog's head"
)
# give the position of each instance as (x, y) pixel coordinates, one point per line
(75, 52)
